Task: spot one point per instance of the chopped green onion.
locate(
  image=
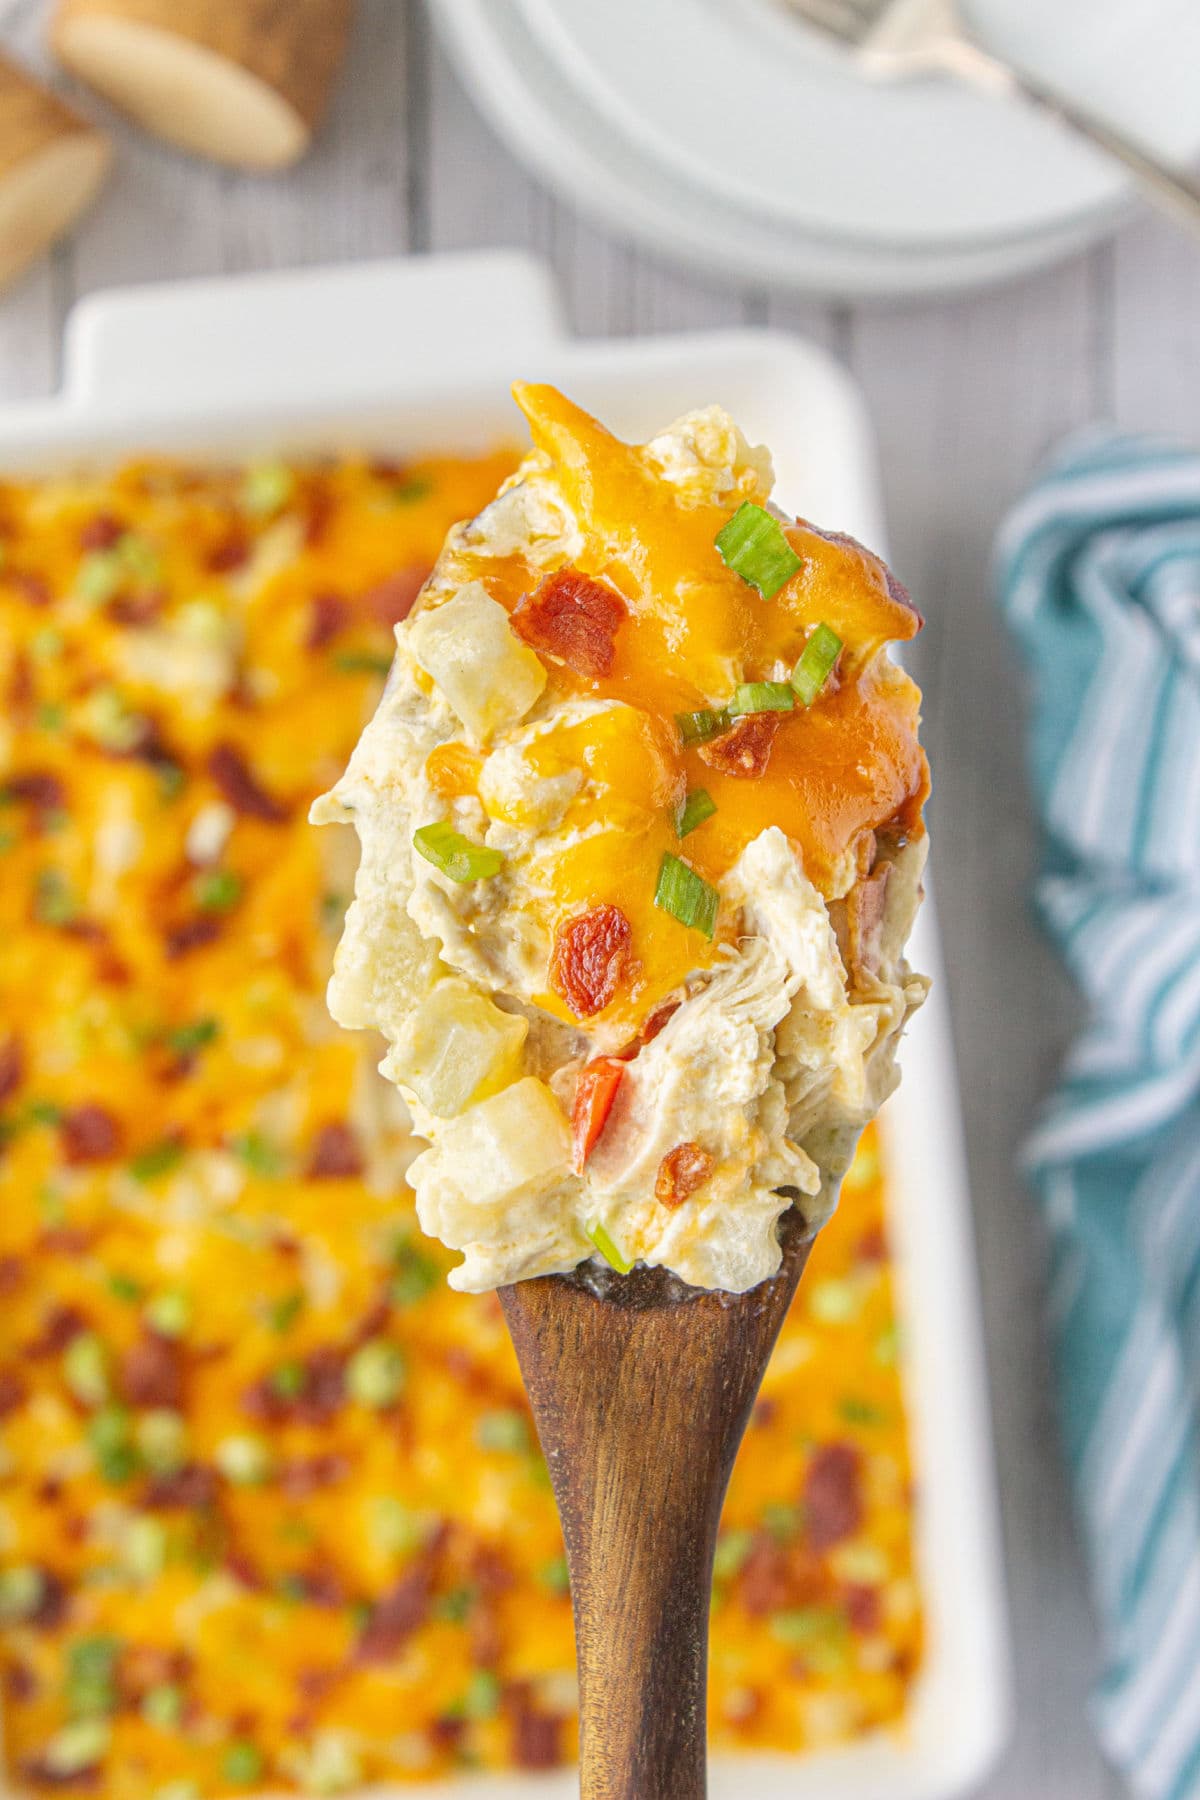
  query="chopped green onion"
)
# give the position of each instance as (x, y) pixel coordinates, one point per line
(91, 1682)
(53, 901)
(124, 1287)
(417, 1274)
(686, 895)
(454, 854)
(481, 1699)
(162, 1440)
(362, 662)
(22, 1589)
(857, 1411)
(555, 1575)
(216, 890)
(395, 1529)
(242, 1764)
(259, 1155)
(156, 1160)
(455, 1606)
(185, 1040)
(411, 489)
(805, 1625)
(754, 546)
(283, 1313)
(145, 1548)
(733, 1547)
(163, 1706)
(503, 1430)
(607, 1248)
(86, 1369)
(375, 1374)
(816, 660)
(267, 487)
(781, 1519)
(77, 1747)
(244, 1459)
(762, 696)
(289, 1380)
(699, 727)
(51, 716)
(108, 1435)
(170, 1313)
(698, 806)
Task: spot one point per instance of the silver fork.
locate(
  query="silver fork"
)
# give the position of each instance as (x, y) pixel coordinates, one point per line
(895, 38)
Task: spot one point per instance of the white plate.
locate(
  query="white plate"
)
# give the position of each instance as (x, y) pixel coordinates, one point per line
(212, 367)
(724, 132)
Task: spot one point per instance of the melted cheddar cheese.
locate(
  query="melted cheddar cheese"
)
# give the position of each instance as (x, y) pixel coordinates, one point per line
(592, 653)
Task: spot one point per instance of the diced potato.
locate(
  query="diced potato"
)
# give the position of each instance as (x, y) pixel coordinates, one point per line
(510, 1147)
(380, 970)
(485, 672)
(456, 1048)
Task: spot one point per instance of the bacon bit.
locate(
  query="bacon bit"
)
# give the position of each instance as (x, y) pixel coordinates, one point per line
(59, 1326)
(832, 1495)
(484, 1634)
(101, 532)
(146, 1666)
(244, 1572)
(318, 511)
(135, 610)
(446, 1732)
(537, 1739)
(335, 1152)
(872, 1245)
(321, 1587)
(681, 1171)
(765, 1411)
(21, 685)
(314, 1684)
(595, 1091)
(864, 1607)
(40, 1774)
(195, 1486)
(590, 956)
(20, 1682)
(191, 935)
(866, 905)
(232, 552)
(746, 750)
(40, 790)
(12, 1392)
(241, 788)
(307, 1475)
(66, 1240)
(152, 1373)
(12, 1273)
(323, 1392)
(392, 600)
(775, 1576)
(396, 1615)
(89, 1134)
(33, 588)
(573, 617)
(12, 1067)
(327, 615)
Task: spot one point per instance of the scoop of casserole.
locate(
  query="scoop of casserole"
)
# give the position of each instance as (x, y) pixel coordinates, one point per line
(640, 818)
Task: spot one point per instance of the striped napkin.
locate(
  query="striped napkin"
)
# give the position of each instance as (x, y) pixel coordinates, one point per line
(1099, 578)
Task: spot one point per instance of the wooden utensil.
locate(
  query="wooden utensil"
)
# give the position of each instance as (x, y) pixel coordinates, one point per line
(641, 1389)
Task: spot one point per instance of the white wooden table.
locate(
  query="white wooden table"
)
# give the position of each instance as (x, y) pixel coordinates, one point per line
(966, 395)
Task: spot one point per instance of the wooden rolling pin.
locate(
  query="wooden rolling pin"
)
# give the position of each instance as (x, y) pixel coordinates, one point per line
(245, 82)
(51, 164)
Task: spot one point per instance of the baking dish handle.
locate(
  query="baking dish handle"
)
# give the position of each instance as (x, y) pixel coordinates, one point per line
(317, 334)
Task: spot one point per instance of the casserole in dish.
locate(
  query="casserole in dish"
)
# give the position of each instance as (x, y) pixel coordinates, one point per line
(771, 385)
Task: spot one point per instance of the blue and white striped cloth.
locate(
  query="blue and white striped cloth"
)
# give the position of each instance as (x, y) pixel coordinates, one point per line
(1099, 578)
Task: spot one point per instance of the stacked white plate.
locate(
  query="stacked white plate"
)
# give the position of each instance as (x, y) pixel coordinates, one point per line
(728, 134)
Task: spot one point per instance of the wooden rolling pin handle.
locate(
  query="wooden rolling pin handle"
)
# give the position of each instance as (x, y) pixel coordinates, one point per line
(640, 1444)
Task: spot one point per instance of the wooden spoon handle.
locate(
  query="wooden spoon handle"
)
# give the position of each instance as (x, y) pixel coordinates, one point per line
(641, 1398)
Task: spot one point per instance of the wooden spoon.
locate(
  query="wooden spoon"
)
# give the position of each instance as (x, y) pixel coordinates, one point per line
(641, 1388)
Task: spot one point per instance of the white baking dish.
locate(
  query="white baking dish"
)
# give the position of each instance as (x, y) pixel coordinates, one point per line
(418, 355)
